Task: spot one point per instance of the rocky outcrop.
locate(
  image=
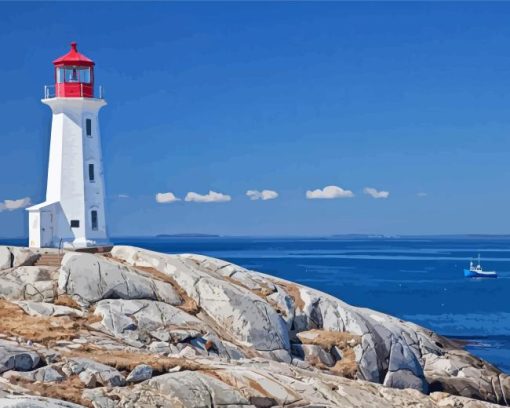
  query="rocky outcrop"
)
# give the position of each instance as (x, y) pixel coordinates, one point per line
(140, 322)
(138, 328)
(88, 279)
(246, 317)
(12, 257)
(28, 282)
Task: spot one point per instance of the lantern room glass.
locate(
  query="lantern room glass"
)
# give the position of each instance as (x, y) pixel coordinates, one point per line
(76, 74)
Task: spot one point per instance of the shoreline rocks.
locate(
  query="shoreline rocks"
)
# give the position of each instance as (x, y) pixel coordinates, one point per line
(119, 331)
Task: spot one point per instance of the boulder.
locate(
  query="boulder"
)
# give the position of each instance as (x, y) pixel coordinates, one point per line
(159, 347)
(89, 279)
(98, 398)
(140, 373)
(404, 378)
(43, 374)
(313, 354)
(23, 256)
(16, 357)
(28, 282)
(92, 372)
(404, 369)
(5, 258)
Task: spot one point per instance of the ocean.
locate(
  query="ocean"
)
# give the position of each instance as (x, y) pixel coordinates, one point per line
(418, 279)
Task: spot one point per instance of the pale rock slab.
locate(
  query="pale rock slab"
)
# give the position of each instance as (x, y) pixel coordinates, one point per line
(47, 309)
(137, 319)
(90, 278)
(245, 316)
(5, 258)
(29, 401)
(23, 256)
(195, 389)
(28, 282)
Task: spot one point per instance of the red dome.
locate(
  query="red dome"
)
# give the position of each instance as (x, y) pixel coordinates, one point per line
(73, 57)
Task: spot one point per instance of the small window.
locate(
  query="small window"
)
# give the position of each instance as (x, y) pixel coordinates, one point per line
(88, 127)
(60, 75)
(91, 172)
(75, 223)
(85, 76)
(93, 217)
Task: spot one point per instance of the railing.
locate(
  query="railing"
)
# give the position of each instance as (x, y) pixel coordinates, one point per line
(49, 91)
(77, 90)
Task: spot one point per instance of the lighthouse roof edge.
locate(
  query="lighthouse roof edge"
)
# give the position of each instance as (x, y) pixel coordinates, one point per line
(73, 57)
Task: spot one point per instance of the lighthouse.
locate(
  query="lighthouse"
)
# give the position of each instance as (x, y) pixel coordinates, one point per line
(73, 214)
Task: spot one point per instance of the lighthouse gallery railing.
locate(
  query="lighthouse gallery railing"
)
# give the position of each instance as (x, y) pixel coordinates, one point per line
(50, 91)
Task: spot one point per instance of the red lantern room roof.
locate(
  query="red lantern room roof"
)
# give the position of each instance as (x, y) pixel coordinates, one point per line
(73, 57)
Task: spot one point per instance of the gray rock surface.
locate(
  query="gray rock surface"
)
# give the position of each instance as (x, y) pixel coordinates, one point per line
(17, 401)
(313, 354)
(312, 309)
(194, 389)
(47, 309)
(36, 283)
(194, 331)
(140, 373)
(245, 316)
(91, 372)
(138, 319)
(404, 370)
(90, 278)
(43, 374)
(16, 357)
(5, 258)
(23, 256)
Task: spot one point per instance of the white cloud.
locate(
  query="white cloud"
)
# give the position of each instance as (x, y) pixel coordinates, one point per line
(262, 195)
(11, 205)
(164, 198)
(211, 197)
(375, 193)
(329, 192)
(122, 196)
(422, 194)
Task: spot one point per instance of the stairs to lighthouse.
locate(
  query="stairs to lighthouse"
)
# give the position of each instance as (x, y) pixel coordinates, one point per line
(53, 260)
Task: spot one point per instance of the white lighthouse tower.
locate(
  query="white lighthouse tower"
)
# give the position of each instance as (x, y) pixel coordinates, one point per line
(73, 214)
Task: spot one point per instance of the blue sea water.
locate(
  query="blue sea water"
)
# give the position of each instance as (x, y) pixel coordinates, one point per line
(419, 279)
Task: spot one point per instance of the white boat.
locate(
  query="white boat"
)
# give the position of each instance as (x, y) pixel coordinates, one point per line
(476, 271)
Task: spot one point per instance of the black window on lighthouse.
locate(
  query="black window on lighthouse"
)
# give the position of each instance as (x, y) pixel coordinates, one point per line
(93, 218)
(88, 127)
(91, 172)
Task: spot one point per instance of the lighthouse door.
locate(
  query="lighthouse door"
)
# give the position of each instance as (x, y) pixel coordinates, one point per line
(46, 229)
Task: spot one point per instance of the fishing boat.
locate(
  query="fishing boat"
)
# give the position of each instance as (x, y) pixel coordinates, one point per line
(476, 271)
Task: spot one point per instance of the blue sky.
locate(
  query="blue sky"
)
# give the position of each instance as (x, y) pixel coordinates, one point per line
(406, 98)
